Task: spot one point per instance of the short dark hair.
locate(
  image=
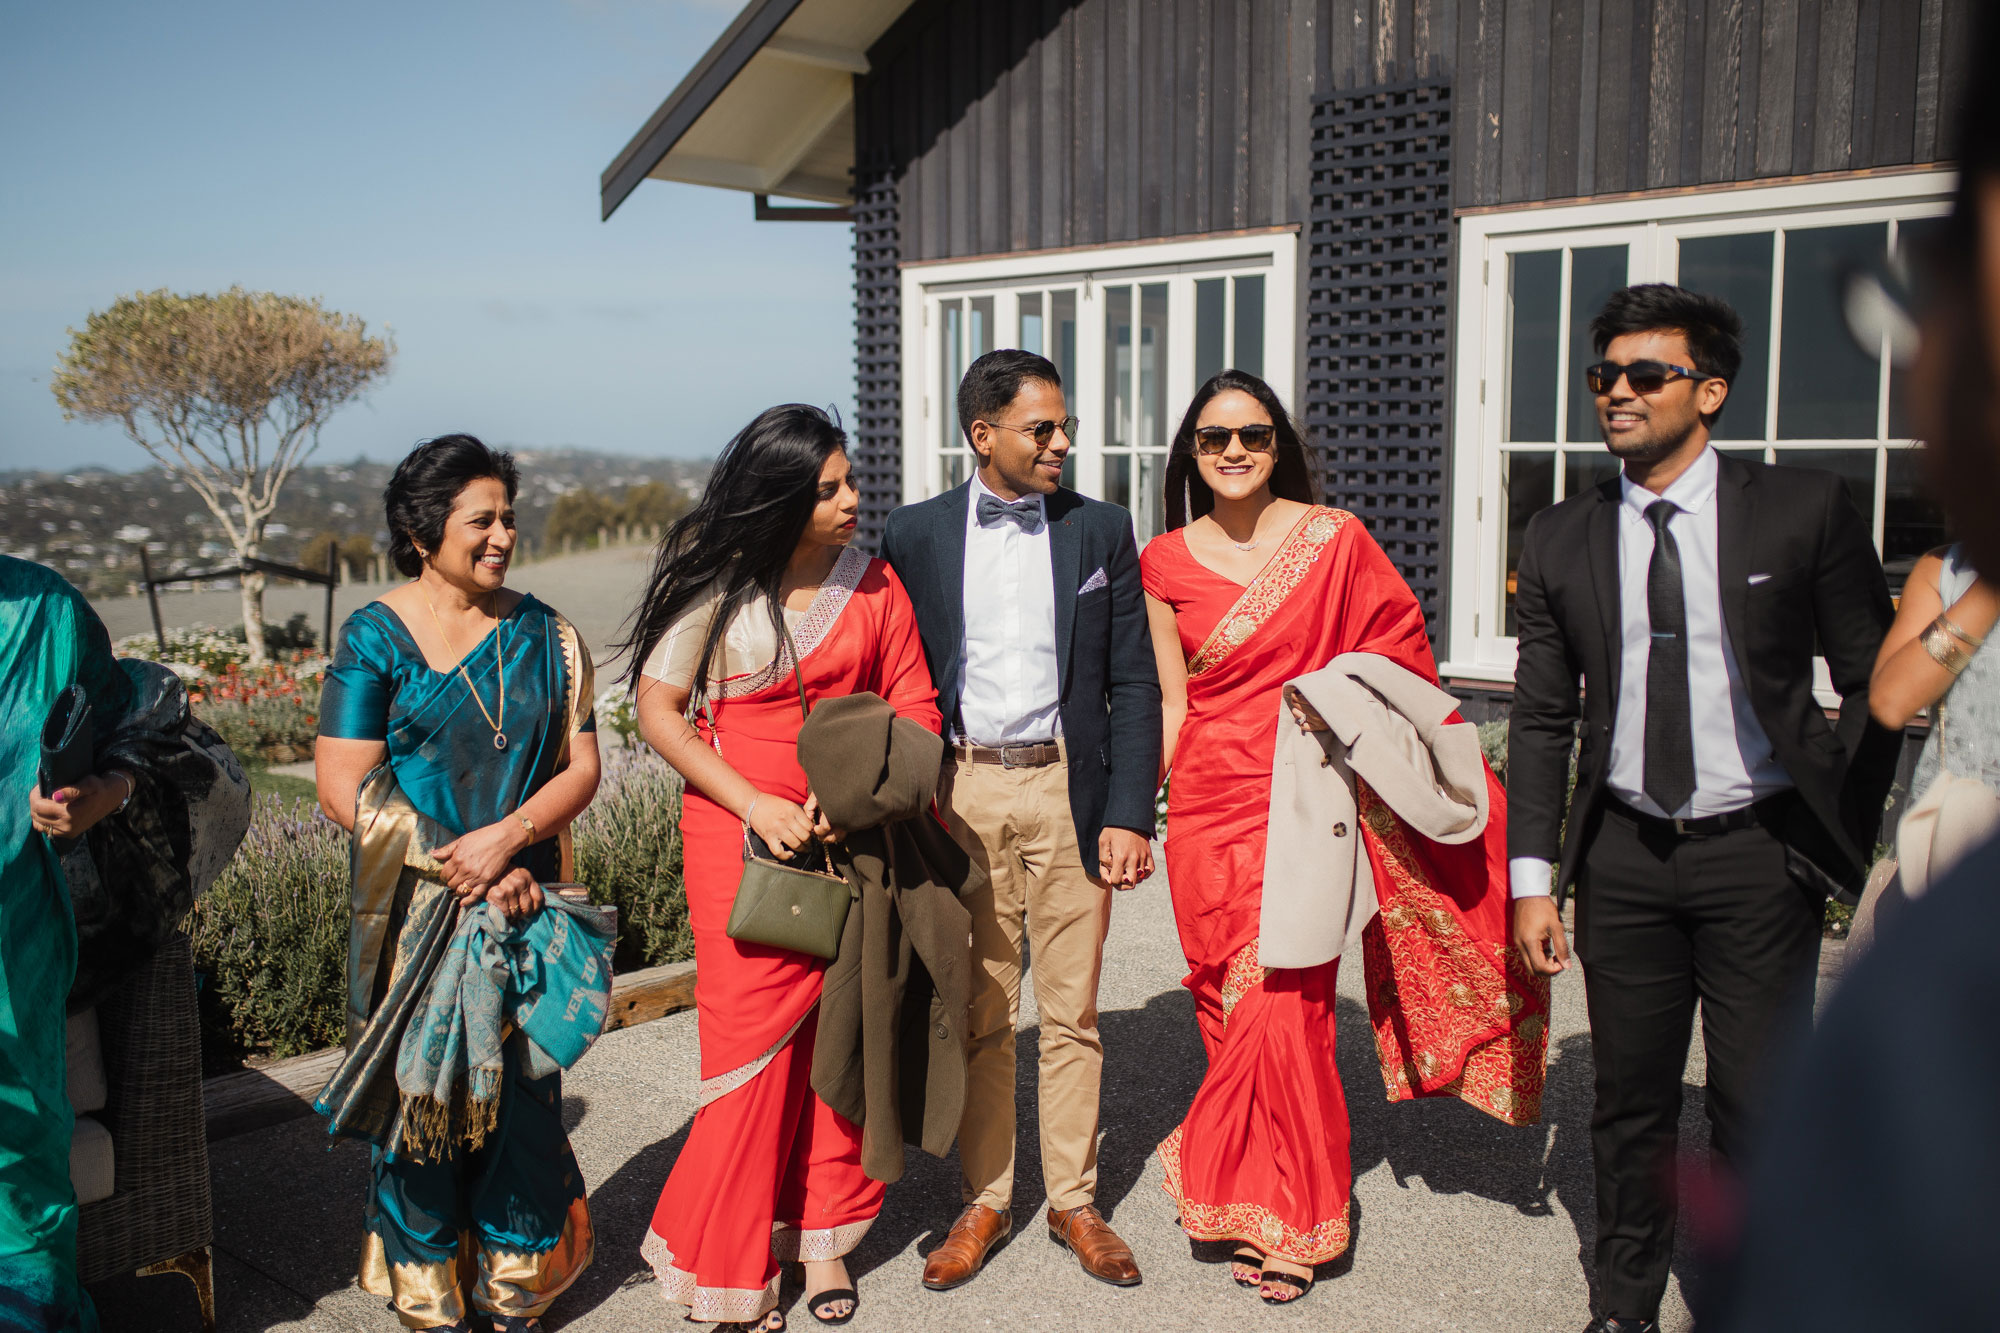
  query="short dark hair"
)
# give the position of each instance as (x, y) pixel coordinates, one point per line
(995, 379)
(1714, 332)
(421, 494)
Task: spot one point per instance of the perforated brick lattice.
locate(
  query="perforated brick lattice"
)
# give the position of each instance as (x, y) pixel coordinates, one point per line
(878, 427)
(1377, 316)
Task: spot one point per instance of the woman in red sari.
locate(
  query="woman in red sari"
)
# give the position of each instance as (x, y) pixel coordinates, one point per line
(769, 1173)
(1262, 586)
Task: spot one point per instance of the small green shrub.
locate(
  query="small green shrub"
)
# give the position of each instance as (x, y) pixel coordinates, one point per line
(270, 938)
(628, 851)
(1493, 744)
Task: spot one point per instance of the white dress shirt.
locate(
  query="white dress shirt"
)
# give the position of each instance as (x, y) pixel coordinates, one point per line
(1734, 764)
(1008, 689)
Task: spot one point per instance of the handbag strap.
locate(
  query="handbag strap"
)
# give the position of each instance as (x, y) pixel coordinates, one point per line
(798, 677)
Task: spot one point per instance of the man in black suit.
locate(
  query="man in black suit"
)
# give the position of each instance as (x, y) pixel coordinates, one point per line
(1034, 624)
(1714, 805)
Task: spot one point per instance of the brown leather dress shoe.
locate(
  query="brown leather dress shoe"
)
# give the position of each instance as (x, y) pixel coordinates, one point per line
(1084, 1233)
(959, 1258)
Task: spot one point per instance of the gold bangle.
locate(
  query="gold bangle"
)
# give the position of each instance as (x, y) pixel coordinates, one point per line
(1950, 626)
(1944, 650)
(527, 824)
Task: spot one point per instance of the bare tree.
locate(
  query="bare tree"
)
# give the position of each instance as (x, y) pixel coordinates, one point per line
(227, 393)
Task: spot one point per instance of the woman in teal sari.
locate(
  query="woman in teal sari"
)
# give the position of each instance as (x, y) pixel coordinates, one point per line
(456, 704)
(49, 639)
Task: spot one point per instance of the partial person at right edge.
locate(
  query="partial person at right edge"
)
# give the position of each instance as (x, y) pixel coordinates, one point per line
(1028, 600)
(1715, 807)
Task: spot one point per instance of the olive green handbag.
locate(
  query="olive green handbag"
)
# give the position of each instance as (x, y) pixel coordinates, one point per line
(781, 903)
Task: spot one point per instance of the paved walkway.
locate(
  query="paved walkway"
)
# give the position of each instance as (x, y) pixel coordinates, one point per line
(1462, 1223)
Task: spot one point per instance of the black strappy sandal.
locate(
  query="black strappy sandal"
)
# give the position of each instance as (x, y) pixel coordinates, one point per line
(829, 1297)
(1247, 1259)
(1302, 1285)
(507, 1323)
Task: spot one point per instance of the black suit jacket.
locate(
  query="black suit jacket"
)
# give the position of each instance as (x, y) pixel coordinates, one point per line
(1825, 592)
(1109, 682)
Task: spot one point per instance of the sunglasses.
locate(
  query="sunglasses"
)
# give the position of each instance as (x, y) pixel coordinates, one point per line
(1041, 432)
(1258, 439)
(1643, 376)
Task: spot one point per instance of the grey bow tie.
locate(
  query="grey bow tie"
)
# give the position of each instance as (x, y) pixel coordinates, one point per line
(1027, 514)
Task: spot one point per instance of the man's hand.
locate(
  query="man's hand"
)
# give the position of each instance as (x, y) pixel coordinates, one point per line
(1538, 934)
(1124, 859)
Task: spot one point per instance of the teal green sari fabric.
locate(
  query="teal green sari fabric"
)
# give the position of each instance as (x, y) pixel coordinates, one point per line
(49, 639)
(503, 1227)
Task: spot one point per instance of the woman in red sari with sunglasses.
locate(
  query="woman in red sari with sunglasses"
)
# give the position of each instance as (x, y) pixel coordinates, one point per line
(1252, 585)
(769, 1172)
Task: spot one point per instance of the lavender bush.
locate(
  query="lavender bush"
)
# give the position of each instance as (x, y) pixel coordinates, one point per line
(628, 850)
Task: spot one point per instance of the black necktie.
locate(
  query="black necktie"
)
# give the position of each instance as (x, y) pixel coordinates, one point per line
(1669, 754)
(992, 511)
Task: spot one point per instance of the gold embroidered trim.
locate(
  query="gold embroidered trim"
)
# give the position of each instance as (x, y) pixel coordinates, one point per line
(1243, 975)
(1323, 1242)
(1276, 581)
(790, 1245)
(713, 1305)
(819, 620)
(710, 1089)
(1468, 998)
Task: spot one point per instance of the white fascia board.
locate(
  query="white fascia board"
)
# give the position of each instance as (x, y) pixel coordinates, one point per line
(1089, 261)
(1719, 203)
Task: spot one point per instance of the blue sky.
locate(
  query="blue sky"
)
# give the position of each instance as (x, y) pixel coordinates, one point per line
(431, 167)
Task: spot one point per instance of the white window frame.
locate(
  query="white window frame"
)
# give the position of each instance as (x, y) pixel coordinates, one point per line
(1179, 263)
(1652, 227)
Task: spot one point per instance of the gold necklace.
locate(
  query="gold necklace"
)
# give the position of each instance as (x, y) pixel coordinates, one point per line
(499, 663)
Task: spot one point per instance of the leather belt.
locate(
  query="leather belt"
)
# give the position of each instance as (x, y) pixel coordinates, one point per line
(1024, 754)
(1704, 826)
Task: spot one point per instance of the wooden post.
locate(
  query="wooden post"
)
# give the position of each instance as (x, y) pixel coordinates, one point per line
(332, 578)
(152, 599)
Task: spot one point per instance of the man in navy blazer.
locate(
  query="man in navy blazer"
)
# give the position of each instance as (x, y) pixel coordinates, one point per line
(1034, 625)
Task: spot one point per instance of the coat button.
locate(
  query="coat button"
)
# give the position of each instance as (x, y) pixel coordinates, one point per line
(943, 1032)
(795, 909)
(1340, 830)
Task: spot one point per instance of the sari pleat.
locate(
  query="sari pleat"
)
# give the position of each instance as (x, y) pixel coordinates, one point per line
(1262, 1155)
(769, 1172)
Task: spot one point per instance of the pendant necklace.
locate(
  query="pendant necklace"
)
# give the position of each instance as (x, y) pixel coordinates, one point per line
(499, 662)
(1246, 546)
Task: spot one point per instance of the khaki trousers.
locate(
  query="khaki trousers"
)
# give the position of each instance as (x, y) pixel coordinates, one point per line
(1016, 822)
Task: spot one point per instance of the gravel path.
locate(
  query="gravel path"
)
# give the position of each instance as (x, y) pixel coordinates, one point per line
(1462, 1223)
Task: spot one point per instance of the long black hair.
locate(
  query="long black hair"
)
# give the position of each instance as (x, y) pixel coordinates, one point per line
(740, 534)
(1188, 496)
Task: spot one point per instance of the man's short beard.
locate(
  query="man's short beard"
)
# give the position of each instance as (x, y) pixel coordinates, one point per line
(1652, 450)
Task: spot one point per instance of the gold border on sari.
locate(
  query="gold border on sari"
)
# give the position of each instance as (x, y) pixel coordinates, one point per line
(713, 1089)
(812, 629)
(1278, 579)
(713, 1305)
(521, 1283)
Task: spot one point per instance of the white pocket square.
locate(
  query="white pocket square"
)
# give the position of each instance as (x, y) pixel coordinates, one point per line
(1094, 582)
(1756, 579)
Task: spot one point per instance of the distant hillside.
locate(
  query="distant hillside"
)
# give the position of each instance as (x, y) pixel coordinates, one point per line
(89, 524)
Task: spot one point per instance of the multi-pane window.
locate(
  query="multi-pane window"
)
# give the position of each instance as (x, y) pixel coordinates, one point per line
(1806, 394)
(1132, 336)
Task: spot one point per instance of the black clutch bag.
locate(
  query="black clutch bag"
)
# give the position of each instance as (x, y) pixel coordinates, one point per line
(69, 754)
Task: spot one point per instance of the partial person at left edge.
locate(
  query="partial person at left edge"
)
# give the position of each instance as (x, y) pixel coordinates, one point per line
(95, 874)
(456, 703)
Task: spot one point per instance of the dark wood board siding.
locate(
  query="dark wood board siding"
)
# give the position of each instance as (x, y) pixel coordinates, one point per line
(1653, 94)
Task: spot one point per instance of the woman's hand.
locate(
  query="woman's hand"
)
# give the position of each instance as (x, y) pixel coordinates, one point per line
(483, 856)
(1304, 713)
(70, 812)
(783, 826)
(822, 828)
(516, 894)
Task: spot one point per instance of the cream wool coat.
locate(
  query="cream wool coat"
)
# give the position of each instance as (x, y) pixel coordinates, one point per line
(1387, 727)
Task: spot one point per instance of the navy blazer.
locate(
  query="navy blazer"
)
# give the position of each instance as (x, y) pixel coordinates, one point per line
(1108, 680)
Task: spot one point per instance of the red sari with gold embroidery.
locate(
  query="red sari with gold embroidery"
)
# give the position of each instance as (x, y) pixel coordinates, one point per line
(1262, 1155)
(770, 1172)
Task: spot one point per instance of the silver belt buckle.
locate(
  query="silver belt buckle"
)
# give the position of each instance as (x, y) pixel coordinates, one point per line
(1007, 755)
(1680, 827)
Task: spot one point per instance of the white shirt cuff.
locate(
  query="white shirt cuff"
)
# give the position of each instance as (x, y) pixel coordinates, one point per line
(1528, 877)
